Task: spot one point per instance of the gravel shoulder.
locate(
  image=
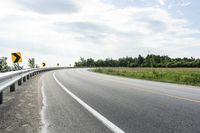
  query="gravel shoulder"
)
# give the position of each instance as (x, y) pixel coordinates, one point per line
(20, 112)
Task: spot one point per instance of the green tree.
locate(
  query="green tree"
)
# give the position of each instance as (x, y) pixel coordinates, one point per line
(31, 63)
(140, 60)
(150, 60)
(90, 62)
(100, 63)
(4, 65)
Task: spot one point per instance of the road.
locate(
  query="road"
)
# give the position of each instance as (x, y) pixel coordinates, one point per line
(77, 100)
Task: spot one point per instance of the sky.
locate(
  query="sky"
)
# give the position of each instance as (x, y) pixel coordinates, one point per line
(62, 31)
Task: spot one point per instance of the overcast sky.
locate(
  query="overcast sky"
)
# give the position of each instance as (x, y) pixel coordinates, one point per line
(62, 31)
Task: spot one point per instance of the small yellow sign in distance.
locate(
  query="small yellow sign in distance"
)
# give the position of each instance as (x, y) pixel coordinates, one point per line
(43, 64)
(16, 57)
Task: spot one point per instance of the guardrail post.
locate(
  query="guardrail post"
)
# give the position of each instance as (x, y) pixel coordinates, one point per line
(24, 79)
(1, 97)
(20, 82)
(12, 88)
(27, 77)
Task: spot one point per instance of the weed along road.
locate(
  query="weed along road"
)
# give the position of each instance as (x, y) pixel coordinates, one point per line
(77, 100)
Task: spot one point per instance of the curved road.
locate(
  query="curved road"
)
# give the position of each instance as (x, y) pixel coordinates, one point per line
(124, 105)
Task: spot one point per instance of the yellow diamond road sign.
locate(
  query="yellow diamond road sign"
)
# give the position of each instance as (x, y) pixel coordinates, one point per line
(16, 57)
(43, 64)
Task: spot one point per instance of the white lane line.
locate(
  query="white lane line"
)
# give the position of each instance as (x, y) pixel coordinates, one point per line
(100, 117)
(44, 122)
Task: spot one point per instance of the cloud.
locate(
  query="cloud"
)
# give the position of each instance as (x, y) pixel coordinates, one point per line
(162, 2)
(87, 31)
(184, 3)
(83, 27)
(49, 6)
(156, 25)
(97, 30)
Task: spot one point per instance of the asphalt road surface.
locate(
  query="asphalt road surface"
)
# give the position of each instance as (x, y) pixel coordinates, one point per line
(79, 101)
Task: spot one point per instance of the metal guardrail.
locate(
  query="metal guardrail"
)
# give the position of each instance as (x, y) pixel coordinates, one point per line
(9, 79)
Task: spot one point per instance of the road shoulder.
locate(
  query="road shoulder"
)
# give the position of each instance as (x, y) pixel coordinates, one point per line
(20, 112)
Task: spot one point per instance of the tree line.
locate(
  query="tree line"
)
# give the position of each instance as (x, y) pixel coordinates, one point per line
(150, 60)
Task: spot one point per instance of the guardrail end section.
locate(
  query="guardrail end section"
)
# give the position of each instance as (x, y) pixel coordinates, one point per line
(1, 97)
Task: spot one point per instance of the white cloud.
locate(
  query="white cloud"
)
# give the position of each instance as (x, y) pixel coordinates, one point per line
(184, 3)
(97, 30)
(162, 2)
(49, 6)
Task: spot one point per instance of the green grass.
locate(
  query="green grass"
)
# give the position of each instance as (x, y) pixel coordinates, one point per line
(189, 76)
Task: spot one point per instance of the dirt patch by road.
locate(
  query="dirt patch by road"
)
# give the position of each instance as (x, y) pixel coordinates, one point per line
(20, 112)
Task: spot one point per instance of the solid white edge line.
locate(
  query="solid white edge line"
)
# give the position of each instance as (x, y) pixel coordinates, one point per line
(101, 118)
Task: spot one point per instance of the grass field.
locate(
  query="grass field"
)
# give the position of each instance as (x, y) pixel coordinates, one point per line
(190, 76)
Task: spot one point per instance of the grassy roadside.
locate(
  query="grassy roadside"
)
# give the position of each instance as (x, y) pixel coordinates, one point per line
(189, 76)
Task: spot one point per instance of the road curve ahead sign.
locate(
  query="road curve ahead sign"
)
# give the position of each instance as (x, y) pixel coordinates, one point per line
(16, 57)
(43, 64)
